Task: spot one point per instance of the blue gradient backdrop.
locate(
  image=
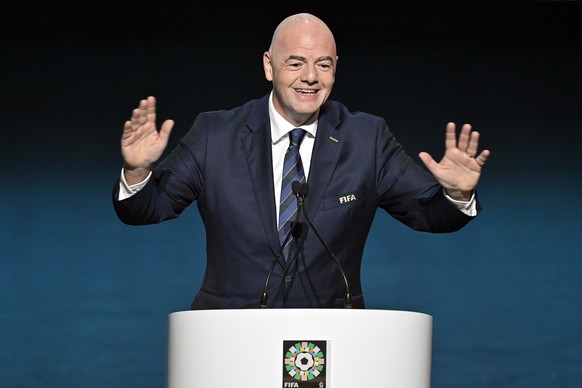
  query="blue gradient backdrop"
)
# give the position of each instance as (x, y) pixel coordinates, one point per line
(84, 299)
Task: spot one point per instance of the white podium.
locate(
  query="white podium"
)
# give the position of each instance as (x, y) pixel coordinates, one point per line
(253, 348)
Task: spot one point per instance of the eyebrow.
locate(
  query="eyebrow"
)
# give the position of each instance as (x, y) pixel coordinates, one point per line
(300, 58)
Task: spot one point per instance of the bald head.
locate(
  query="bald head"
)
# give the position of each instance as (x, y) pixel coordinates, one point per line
(302, 24)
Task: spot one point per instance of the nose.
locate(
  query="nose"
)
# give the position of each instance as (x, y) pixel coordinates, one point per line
(310, 74)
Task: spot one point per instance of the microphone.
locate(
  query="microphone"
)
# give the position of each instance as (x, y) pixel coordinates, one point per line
(301, 190)
(293, 232)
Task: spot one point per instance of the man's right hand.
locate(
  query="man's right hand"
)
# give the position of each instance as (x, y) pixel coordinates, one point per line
(141, 143)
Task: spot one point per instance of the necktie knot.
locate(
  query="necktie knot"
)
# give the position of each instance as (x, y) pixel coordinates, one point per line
(295, 137)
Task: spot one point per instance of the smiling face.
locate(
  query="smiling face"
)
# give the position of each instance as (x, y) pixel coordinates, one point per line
(301, 63)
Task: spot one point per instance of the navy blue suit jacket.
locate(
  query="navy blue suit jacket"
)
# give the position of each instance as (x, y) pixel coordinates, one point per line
(224, 163)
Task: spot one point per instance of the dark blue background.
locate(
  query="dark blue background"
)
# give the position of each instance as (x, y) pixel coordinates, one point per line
(84, 299)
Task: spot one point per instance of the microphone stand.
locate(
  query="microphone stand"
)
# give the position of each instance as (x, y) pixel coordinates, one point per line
(300, 190)
(264, 297)
(302, 193)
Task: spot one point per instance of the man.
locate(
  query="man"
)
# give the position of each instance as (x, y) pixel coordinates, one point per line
(231, 163)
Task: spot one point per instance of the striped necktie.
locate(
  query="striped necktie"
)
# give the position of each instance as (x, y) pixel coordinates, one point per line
(292, 171)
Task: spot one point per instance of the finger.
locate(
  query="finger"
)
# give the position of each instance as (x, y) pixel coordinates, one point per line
(139, 114)
(450, 137)
(143, 106)
(482, 157)
(151, 109)
(428, 160)
(473, 144)
(464, 138)
(138, 117)
(166, 129)
(128, 133)
(127, 129)
(127, 125)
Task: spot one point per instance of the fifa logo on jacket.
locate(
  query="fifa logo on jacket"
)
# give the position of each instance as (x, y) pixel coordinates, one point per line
(347, 198)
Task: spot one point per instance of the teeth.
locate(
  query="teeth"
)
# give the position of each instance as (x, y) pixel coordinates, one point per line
(307, 91)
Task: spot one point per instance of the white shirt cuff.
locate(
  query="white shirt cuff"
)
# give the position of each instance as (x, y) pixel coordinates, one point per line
(468, 207)
(126, 191)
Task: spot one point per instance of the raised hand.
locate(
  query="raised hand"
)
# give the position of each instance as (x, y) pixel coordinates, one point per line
(141, 143)
(460, 168)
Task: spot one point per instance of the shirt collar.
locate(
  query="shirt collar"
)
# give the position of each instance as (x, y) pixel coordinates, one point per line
(280, 127)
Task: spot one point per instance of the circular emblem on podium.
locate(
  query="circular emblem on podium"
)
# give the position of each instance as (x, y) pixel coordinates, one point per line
(304, 361)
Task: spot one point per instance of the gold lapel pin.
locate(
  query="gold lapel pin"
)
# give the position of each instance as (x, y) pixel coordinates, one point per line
(333, 139)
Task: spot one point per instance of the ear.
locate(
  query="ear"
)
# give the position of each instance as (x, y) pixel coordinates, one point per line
(267, 67)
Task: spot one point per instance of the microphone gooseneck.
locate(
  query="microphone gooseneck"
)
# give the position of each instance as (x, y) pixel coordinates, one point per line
(301, 190)
(264, 296)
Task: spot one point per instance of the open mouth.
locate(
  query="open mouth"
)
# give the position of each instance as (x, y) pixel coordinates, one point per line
(306, 91)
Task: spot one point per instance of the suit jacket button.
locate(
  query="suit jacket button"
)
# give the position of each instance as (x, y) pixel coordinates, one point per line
(287, 278)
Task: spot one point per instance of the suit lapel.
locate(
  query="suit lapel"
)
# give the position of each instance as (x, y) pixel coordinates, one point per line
(256, 144)
(326, 152)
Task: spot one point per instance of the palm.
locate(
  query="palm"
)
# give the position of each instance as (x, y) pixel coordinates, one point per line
(141, 143)
(460, 168)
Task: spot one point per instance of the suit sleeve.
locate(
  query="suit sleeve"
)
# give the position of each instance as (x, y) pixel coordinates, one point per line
(175, 183)
(410, 193)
